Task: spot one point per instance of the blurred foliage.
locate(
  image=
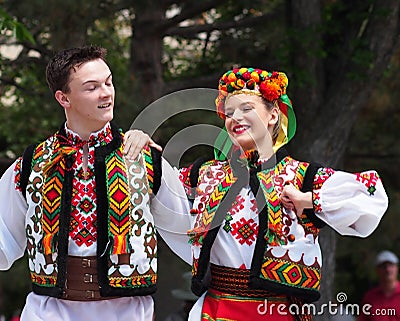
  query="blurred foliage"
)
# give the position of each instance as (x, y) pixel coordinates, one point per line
(10, 27)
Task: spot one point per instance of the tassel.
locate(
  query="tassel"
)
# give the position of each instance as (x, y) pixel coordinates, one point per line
(119, 244)
(50, 243)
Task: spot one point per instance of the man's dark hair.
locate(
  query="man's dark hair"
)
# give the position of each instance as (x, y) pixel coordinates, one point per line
(59, 67)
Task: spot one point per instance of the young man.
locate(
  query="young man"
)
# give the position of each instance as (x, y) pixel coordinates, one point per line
(79, 208)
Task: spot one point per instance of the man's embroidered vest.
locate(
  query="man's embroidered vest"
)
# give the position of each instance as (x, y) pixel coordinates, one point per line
(279, 275)
(126, 237)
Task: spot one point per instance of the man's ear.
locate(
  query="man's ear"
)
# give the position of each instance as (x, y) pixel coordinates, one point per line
(62, 99)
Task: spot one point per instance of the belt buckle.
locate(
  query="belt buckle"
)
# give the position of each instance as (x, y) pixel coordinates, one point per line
(89, 294)
(88, 278)
(86, 263)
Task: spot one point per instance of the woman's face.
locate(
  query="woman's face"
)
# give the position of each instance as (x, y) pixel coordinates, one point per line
(249, 122)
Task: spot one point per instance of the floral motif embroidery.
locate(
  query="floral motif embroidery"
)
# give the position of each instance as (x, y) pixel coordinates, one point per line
(245, 231)
(238, 205)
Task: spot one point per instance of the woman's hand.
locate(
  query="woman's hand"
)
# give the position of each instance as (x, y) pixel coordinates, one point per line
(134, 141)
(295, 200)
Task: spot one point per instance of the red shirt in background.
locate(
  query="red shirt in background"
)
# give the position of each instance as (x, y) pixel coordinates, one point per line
(383, 308)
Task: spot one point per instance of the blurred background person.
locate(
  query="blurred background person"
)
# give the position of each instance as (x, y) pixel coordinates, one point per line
(385, 297)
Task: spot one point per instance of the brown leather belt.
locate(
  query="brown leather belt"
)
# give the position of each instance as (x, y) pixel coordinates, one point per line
(82, 283)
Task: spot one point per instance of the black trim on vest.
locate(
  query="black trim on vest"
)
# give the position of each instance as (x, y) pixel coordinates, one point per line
(103, 247)
(308, 187)
(26, 169)
(157, 169)
(55, 292)
(263, 214)
(195, 171)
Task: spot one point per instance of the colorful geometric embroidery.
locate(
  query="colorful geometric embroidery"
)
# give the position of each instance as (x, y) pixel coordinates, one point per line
(119, 203)
(289, 273)
(45, 191)
(298, 182)
(51, 203)
(148, 160)
(245, 231)
(237, 206)
(274, 235)
(133, 282)
(369, 179)
(184, 177)
(17, 174)
(321, 176)
(316, 202)
(197, 234)
(43, 280)
(83, 221)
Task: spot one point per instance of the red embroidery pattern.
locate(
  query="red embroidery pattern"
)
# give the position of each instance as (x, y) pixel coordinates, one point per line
(237, 206)
(245, 231)
(83, 229)
(319, 179)
(83, 223)
(17, 174)
(321, 176)
(369, 180)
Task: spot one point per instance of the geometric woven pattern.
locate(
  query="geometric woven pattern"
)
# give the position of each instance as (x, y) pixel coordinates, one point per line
(149, 167)
(137, 281)
(43, 280)
(119, 203)
(51, 195)
(274, 234)
(291, 274)
(197, 234)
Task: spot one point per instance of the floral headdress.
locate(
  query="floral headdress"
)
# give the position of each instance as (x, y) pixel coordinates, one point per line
(269, 85)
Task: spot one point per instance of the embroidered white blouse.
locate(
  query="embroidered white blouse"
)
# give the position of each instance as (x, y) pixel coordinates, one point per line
(352, 204)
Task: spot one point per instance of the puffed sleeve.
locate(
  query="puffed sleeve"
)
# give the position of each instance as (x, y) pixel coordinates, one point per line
(352, 204)
(13, 209)
(171, 211)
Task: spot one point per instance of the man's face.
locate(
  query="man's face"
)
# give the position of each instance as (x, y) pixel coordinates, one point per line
(90, 100)
(387, 271)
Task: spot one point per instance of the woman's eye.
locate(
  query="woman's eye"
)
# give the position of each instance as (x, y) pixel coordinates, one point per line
(229, 114)
(247, 108)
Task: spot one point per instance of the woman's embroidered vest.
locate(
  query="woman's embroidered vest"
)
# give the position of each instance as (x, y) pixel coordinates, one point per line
(126, 237)
(280, 275)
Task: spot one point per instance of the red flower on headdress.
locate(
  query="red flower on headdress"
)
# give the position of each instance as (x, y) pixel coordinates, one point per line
(270, 90)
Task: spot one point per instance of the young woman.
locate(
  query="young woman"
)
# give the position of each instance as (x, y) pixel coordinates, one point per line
(252, 232)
